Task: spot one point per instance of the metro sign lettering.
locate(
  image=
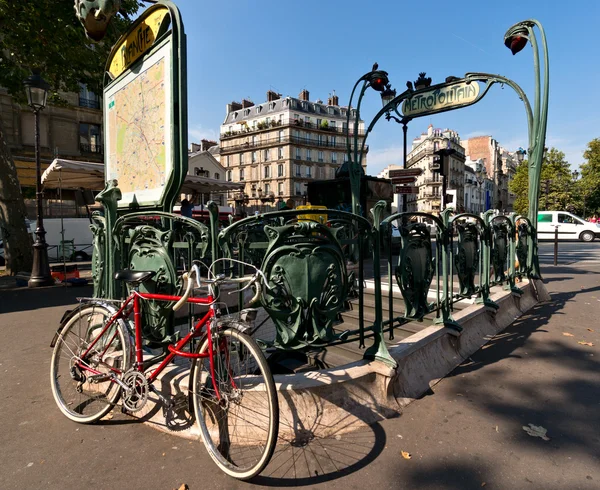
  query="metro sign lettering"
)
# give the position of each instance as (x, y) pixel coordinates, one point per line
(406, 189)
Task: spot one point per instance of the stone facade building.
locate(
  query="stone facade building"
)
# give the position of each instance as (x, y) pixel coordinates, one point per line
(72, 132)
(429, 199)
(277, 147)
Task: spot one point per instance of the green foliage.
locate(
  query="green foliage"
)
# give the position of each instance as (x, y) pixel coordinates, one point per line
(45, 34)
(518, 186)
(556, 171)
(588, 187)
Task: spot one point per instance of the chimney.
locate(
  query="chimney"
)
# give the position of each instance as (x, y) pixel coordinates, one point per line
(335, 99)
(206, 144)
(304, 95)
(196, 147)
(247, 103)
(234, 106)
(271, 96)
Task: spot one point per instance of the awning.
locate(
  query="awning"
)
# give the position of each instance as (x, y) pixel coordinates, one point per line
(71, 174)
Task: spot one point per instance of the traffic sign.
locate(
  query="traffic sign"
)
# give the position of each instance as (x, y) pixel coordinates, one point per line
(406, 189)
(404, 172)
(403, 180)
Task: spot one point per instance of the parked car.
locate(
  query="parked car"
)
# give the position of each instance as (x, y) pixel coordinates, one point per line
(569, 226)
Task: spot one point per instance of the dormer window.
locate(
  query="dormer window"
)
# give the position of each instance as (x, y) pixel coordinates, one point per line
(235, 115)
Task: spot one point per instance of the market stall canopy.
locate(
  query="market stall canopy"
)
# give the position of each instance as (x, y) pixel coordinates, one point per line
(71, 174)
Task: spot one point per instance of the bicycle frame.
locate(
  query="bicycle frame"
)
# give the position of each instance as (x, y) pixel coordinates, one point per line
(174, 350)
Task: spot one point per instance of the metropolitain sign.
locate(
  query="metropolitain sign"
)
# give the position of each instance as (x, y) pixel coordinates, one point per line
(441, 98)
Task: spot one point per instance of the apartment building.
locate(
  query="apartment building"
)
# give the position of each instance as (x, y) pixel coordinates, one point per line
(276, 148)
(429, 200)
(72, 131)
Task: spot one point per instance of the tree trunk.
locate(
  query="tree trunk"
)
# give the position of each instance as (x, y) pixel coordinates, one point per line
(18, 251)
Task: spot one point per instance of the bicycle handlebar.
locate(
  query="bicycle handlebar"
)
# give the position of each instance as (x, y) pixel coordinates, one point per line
(195, 271)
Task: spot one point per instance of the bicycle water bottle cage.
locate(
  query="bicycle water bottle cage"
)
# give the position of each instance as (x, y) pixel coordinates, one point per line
(134, 277)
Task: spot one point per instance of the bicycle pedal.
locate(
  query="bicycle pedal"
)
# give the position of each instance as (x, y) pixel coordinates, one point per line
(179, 402)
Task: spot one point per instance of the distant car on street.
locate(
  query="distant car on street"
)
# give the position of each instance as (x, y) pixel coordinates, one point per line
(569, 226)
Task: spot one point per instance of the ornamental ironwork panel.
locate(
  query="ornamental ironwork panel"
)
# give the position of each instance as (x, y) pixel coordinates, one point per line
(308, 283)
(500, 248)
(466, 259)
(98, 250)
(415, 269)
(523, 240)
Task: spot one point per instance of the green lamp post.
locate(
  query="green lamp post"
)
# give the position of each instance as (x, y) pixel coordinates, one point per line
(516, 39)
(377, 80)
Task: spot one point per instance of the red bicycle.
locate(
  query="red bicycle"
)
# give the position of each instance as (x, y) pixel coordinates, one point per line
(95, 363)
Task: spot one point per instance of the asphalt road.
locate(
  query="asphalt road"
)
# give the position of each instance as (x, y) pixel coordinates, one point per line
(466, 433)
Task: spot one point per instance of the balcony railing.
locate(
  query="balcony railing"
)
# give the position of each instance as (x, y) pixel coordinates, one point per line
(270, 142)
(89, 103)
(87, 148)
(298, 123)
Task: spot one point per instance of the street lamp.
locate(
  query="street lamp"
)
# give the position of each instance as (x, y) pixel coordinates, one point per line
(36, 89)
(480, 179)
(515, 39)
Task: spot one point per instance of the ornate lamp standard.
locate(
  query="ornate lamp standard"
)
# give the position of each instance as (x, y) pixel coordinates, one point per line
(480, 179)
(37, 94)
(516, 39)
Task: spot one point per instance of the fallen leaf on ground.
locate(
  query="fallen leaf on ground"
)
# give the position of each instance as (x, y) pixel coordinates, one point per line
(567, 334)
(590, 329)
(497, 429)
(536, 431)
(405, 455)
(483, 484)
(184, 487)
(590, 344)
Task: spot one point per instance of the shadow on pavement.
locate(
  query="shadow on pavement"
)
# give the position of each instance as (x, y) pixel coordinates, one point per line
(24, 299)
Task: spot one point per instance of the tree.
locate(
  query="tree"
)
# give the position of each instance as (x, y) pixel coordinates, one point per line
(518, 186)
(588, 187)
(557, 186)
(43, 34)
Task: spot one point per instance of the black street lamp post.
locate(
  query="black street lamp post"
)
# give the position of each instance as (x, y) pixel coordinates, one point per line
(37, 94)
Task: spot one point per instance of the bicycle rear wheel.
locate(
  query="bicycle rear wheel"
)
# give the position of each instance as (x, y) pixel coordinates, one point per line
(81, 395)
(239, 429)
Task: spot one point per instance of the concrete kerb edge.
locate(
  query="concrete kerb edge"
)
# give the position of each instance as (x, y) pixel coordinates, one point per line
(333, 401)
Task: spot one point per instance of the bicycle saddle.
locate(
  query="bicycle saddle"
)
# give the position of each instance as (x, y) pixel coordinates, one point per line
(134, 276)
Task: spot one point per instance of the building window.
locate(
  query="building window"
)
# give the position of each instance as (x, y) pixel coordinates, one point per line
(333, 157)
(267, 171)
(307, 120)
(280, 170)
(241, 158)
(309, 155)
(241, 174)
(280, 153)
(253, 140)
(298, 170)
(267, 157)
(89, 138)
(254, 157)
(280, 135)
(319, 121)
(320, 156)
(298, 154)
(333, 141)
(297, 189)
(227, 160)
(332, 124)
(87, 98)
(267, 189)
(309, 171)
(217, 176)
(229, 176)
(280, 188)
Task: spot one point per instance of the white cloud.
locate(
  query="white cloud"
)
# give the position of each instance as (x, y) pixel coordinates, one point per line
(377, 160)
(197, 133)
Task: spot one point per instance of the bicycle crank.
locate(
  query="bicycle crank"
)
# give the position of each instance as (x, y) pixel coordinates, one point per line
(135, 393)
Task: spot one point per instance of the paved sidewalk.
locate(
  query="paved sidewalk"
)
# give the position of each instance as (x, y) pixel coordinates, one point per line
(467, 433)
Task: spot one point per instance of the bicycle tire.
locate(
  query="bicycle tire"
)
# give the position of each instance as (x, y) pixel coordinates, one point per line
(77, 398)
(255, 438)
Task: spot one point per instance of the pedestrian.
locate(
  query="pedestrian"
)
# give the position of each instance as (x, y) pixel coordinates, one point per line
(187, 207)
(594, 219)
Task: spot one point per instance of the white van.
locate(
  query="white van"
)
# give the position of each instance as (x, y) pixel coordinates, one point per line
(569, 226)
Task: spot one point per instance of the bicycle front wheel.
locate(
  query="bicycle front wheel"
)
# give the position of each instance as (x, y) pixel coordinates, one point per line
(82, 385)
(240, 423)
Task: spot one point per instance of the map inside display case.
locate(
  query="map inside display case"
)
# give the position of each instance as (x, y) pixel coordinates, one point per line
(138, 121)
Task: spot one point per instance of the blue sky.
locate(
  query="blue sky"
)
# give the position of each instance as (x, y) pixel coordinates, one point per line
(239, 49)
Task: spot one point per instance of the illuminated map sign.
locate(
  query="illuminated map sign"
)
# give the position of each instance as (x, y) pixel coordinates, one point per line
(138, 121)
(145, 110)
